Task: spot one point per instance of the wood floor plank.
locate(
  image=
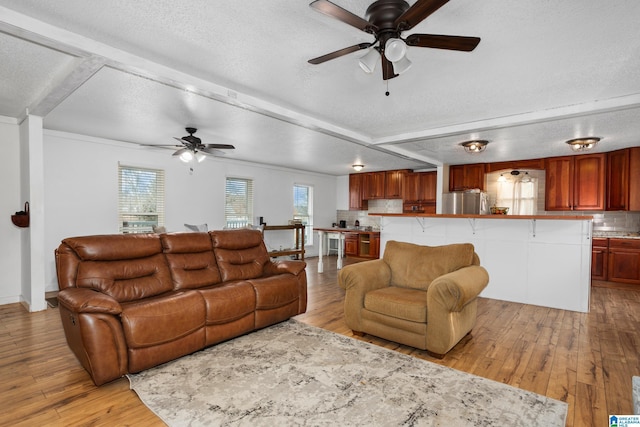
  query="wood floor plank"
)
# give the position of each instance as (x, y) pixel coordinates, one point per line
(586, 360)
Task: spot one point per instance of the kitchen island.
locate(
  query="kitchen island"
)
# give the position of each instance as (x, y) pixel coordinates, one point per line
(367, 241)
(542, 260)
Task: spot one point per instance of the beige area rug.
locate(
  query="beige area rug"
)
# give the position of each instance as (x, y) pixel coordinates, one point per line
(292, 374)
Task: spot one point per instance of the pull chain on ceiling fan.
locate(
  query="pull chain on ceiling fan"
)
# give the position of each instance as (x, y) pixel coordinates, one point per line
(387, 20)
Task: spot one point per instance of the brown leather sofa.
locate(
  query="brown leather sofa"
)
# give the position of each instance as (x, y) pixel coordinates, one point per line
(131, 302)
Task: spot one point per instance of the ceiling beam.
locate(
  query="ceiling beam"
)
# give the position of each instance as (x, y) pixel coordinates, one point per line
(81, 70)
(33, 30)
(552, 114)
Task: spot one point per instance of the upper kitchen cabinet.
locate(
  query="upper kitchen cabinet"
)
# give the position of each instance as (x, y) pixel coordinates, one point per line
(357, 200)
(375, 185)
(420, 187)
(428, 186)
(466, 177)
(623, 180)
(575, 182)
(394, 183)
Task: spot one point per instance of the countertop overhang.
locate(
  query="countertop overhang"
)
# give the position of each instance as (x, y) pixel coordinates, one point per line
(536, 217)
(345, 230)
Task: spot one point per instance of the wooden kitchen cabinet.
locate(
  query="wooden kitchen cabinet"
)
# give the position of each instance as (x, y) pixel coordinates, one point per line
(357, 200)
(623, 180)
(351, 244)
(428, 186)
(466, 177)
(624, 261)
(575, 182)
(362, 244)
(420, 187)
(410, 187)
(599, 258)
(374, 185)
(394, 183)
(419, 195)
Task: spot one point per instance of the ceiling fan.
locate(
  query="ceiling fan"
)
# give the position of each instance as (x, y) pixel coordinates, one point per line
(387, 20)
(193, 148)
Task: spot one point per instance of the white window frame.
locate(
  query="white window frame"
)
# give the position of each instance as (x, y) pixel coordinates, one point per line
(242, 214)
(307, 220)
(140, 211)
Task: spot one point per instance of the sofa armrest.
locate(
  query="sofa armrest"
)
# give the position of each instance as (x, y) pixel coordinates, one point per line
(294, 267)
(455, 290)
(80, 300)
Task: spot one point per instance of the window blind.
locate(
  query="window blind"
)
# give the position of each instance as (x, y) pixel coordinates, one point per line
(140, 199)
(303, 209)
(238, 205)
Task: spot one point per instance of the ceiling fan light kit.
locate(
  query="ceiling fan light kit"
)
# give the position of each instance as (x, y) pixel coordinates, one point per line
(192, 148)
(369, 60)
(583, 144)
(395, 49)
(386, 20)
(474, 146)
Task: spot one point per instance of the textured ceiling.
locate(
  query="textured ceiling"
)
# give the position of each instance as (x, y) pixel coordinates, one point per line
(141, 71)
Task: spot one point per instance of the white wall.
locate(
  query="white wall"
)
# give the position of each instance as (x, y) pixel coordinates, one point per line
(81, 190)
(10, 203)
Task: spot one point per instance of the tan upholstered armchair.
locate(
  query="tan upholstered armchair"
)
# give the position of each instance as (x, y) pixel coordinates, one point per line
(421, 296)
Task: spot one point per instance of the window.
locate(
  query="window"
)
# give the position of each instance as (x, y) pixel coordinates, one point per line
(140, 199)
(238, 203)
(518, 193)
(303, 209)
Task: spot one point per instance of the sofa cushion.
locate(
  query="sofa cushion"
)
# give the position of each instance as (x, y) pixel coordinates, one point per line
(275, 291)
(416, 266)
(191, 260)
(114, 247)
(127, 279)
(240, 254)
(156, 321)
(401, 303)
(228, 302)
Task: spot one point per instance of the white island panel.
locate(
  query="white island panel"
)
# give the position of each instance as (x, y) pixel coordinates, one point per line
(544, 262)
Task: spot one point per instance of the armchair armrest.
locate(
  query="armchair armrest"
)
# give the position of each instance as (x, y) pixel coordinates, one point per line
(365, 276)
(357, 280)
(80, 300)
(294, 267)
(453, 291)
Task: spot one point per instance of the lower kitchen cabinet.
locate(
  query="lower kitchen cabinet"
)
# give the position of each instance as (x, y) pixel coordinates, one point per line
(599, 258)
(362, 244)
(624, 261)
(351, 244)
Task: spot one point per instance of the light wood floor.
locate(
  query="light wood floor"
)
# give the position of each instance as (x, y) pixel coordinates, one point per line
(586, 360)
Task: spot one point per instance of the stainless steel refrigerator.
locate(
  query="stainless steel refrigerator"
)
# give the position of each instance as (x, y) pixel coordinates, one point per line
(467, 203)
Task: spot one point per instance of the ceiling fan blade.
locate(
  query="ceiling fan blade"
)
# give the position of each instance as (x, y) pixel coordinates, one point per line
(211, 151)
(180, 151)
(417, 13)
(339, 53)
(333, 10)
(219, 146)
(387, 69)
(179, 139)
(465, 44)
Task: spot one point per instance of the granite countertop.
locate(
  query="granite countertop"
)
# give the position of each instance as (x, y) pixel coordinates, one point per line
(616, 234)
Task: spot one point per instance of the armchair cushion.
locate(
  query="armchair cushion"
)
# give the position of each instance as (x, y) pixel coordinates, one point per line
(402, 303)
(415, 266)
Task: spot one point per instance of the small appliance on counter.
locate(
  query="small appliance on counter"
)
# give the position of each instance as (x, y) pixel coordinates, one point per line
(465, 203)
(343, 223)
